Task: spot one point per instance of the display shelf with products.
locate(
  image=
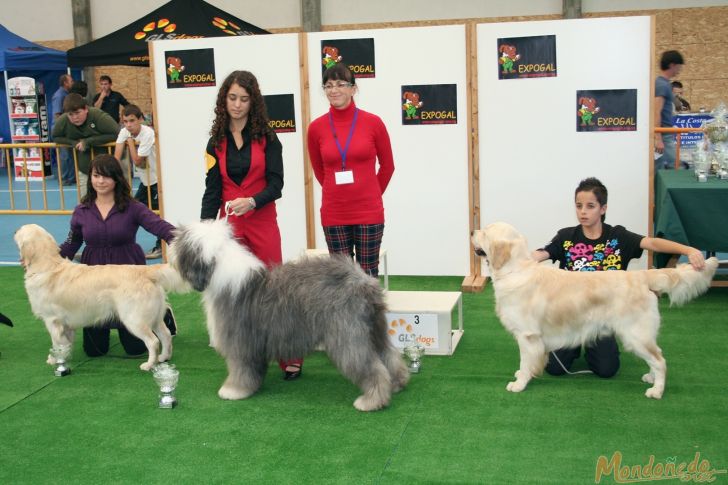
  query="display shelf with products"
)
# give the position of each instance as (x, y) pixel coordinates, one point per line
(28, 124)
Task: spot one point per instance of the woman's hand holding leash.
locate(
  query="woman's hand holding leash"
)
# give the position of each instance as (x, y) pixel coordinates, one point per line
(239, 206)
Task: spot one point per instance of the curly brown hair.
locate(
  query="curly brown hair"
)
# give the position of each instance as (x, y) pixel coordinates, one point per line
(258, 117)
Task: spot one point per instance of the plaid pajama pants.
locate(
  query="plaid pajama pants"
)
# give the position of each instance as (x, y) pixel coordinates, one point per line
(360, 240)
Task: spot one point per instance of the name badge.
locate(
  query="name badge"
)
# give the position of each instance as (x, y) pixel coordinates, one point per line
(345, 177)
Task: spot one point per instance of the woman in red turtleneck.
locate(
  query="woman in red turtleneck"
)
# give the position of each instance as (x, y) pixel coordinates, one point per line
(344, 146)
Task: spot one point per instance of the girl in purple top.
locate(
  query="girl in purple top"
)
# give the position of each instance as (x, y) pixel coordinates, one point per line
(107, 220)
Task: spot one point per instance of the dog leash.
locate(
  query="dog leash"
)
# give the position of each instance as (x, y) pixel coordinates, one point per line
(228, 210)
(567, 370)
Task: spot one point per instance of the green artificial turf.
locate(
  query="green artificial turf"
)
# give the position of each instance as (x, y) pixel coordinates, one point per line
(454, 423)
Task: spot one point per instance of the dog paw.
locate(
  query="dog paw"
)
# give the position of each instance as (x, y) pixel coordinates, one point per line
(51, 360)
(653, 393)
(146, 366)
(648, 378)
(365, 404)
(400, 382)
(232, 393)
(515, 386)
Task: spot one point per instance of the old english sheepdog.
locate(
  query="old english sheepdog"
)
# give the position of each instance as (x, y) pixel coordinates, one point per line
(255, 315)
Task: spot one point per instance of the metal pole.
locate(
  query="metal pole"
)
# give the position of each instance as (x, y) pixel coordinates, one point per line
(82, 31)
(311, 15)
(571, 9)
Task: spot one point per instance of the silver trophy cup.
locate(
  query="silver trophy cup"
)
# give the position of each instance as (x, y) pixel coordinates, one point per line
(414, 352)
(61, 353)
(166, 376)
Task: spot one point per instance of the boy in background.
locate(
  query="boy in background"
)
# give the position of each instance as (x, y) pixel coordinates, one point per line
(144, 159)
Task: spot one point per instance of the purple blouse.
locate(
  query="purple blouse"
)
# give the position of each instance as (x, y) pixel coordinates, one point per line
(113, 241)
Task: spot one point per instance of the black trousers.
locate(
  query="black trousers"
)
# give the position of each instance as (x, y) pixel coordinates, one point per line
(96, 339)
(602, 358)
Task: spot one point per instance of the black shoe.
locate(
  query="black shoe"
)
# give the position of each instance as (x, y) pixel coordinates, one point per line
(170, 322)
(291, 375)
(5, 320)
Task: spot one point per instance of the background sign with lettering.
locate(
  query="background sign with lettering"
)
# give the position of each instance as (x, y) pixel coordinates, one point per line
(606, 110)
(524, 57)
(193, 68)
(429, 104)
(358, 54)
(691, 120)
(281, 114)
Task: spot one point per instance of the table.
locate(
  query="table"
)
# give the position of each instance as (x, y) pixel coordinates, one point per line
(691, 212)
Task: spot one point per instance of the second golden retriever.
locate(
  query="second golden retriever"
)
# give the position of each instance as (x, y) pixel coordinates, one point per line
(546, 308)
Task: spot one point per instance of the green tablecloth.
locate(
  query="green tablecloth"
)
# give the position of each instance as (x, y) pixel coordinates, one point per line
(691, 212)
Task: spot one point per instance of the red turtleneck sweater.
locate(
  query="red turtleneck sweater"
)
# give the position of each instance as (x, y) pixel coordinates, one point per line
(361, 201)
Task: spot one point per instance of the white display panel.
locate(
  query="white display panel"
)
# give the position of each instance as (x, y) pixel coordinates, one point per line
(531, 156)
(426, 203)
(184, 118)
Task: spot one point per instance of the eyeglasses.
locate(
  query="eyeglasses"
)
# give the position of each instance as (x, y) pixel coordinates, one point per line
(341, 85)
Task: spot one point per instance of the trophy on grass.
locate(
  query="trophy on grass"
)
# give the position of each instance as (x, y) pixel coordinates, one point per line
(166, 376)
(61, 353)
(414, 352)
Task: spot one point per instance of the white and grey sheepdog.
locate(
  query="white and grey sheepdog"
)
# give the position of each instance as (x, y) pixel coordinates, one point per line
(255, 315)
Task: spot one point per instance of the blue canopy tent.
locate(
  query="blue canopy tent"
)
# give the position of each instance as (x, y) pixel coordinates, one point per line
(20, 57)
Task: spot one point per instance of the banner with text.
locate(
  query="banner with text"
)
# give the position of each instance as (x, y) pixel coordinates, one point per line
(606, 110)
(193, 68)
(691, 120)
(524, 57)
(281, 113)
(429, 104)
(358, 54)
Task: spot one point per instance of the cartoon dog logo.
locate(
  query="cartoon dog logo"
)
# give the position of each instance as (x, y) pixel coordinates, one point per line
(411, 105)
(587, 111)
(331, 56)
(508, 57)
(175, 68)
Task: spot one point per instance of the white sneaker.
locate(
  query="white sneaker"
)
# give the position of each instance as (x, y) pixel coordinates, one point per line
(154, 253)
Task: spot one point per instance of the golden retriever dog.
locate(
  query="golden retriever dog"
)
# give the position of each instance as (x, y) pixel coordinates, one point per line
(546, 308)
(68, 296)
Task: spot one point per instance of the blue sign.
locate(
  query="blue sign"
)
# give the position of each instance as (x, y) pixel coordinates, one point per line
(691, 120)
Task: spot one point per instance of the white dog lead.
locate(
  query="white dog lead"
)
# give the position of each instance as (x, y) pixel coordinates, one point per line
(228, 210)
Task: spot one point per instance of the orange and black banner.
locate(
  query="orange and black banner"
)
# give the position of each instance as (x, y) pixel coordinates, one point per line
(526, 57)
(193, 68)
(606, 110)
(429, 104)
(358, 54)
(281, 113)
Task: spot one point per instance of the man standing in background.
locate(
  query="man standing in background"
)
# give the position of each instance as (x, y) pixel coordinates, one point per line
(65, 161)
(109, 100)
(681, 104)
(671, 63)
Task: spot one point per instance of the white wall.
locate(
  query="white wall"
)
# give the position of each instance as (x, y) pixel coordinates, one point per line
(184, 118)
(335, 12)
(51, 19)
(531, 156)
(426, 203)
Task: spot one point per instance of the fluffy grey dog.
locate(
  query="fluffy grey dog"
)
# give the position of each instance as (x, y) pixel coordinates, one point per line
(255, 315)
